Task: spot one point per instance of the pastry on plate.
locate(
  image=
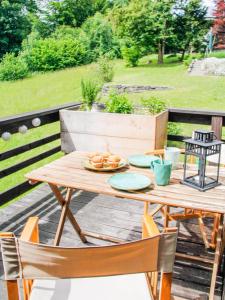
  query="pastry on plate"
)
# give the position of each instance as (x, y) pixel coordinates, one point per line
(113, 161)
(97, 161)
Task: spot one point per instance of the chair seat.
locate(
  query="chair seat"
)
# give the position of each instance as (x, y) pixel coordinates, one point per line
(132, 287)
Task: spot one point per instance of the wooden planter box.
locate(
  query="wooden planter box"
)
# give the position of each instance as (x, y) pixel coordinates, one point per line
(122, 134)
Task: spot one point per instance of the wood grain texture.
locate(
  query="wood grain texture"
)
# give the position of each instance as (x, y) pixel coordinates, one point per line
(117, 133)
(69, 172)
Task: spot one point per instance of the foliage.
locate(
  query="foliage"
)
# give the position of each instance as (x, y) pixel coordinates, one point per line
(174, 129)
(14, 23)
(189, 58)
(90, 90)
(101, 37)
(148, 23)
(191, 25)
(13, 68)
(118, 103)
(219, 23)
(70, 12)
(52, 54)
(105, 69)
(131, 55)
(154, 105)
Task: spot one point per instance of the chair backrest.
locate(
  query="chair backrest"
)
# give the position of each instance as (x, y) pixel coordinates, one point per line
(26, 260)
(123, 134)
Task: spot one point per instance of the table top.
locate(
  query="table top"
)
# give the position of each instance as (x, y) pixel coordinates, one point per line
(69, 171)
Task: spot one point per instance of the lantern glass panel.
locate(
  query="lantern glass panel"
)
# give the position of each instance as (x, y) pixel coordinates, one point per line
(204, 176)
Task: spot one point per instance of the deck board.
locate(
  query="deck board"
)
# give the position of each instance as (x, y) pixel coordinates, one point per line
(119, 218)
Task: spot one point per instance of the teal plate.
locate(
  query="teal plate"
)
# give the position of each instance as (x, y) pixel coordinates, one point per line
(129, 181)
(142, 161)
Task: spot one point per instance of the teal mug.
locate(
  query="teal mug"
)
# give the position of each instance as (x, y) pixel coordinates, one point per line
(162, 171)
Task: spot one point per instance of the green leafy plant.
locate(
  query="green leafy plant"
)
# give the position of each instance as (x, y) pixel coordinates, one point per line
(105, 69)
(52, 54)
(174, 129)
(13, 68)
(90, 90)
(131, 55)
(119, 103)
(154, 105)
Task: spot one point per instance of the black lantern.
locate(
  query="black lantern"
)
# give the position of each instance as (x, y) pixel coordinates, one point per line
(202, 145)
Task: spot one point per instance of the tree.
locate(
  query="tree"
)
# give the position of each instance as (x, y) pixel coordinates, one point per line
(14, 23)
(101, 37)
(191, 25)
(219, 24)
(148, 23)
(70, 12)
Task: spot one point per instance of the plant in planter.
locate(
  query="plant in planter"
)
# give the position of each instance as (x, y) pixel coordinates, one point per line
(119, 103)
(154, 105)
(90, 90)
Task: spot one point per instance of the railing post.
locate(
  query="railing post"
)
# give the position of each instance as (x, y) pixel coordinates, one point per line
(217, 125)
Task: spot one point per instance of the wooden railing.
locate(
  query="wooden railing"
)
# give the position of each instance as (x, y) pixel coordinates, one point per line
(215, 119)
(11, 124)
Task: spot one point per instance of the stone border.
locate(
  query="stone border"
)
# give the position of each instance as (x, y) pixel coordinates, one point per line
(127, 88)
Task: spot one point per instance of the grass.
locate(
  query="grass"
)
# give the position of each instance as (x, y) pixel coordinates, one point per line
(51, 89)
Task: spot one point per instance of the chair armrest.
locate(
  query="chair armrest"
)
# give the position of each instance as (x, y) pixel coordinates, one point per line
(6, 234)
(155, 152)
(149, 227)
(30, 232)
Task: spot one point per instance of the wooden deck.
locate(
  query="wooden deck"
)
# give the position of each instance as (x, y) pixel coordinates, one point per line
(116, 217)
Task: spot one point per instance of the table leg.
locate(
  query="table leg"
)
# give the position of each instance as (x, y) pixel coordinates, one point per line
(66, 212)
(218, 253)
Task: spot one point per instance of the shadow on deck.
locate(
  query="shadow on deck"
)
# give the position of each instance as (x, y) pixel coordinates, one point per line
(119, 218)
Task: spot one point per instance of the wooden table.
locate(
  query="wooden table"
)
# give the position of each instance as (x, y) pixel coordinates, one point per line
(70, 173)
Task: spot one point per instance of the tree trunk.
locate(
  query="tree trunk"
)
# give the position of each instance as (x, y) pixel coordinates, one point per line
(161, 51)
(182, 55)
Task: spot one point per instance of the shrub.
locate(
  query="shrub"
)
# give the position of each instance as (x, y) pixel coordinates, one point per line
(52, 54)
(105, 69)
(154, 105)
(101, 37)
(173, 129)
(90, 90)
(119, 104)
(13, 68)
(131, 55)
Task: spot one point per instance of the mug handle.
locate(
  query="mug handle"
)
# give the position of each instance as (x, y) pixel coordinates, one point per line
(152, 165)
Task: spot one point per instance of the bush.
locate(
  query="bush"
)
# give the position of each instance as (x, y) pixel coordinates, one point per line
(52, 54)
(119, 104)
(173, 129)
(154, 105)
(90, 90)
(131, 55)
(102, 40)
(105, 69)
(13, 68)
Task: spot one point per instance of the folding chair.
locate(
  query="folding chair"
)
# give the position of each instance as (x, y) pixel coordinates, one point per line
(122, 271)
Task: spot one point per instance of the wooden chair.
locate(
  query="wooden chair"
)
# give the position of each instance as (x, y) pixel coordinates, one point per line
(191, 213)
(112, 272)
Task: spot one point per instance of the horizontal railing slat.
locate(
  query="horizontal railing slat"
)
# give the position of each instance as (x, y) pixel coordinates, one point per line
(47, 116)
(28, 162)
(13, 152)
(190, 116)
(16, 191)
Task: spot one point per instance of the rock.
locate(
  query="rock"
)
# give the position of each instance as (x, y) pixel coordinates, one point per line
(214, 66)
(124, 88)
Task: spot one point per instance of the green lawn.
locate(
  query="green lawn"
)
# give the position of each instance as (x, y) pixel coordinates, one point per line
(51, 89)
